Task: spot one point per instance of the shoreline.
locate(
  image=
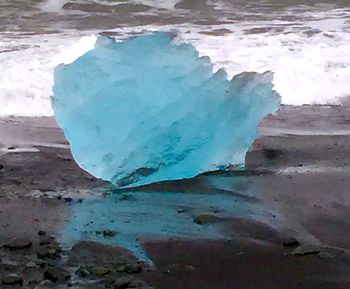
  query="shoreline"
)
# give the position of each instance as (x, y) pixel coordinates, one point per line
(218, 230)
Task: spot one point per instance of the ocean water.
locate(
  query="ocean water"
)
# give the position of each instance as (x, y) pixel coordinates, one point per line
(305, 43)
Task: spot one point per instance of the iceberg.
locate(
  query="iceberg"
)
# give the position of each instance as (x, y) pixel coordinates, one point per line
(149, 109)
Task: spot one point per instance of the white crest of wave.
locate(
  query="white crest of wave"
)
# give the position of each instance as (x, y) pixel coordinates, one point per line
(53, 6)
(166, 4)
(27, 75)
(307, 69)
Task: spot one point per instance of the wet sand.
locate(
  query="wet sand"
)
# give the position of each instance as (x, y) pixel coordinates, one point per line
(218, 230)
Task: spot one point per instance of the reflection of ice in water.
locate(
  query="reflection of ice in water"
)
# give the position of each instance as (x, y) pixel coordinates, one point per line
(139, 216)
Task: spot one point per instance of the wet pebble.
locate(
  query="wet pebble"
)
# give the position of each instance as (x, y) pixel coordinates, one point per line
(12, 279)
(291, 243)
(18, 244)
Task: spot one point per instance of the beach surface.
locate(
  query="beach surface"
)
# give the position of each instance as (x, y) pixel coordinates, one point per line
(282, 222)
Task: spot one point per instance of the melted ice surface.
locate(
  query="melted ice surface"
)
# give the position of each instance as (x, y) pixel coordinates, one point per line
(147, 110)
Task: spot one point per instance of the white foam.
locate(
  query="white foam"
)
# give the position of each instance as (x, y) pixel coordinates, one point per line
(166, 4)
(26, 77)
(306, 69)
(53, 6)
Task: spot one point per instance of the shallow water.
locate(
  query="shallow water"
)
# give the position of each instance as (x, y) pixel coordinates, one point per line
(305, 43)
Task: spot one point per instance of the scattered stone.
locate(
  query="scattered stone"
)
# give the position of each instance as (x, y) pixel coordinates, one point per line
(45, 284)
(18, 244)
(305, 250)
(67, 199)
(31, 265)
(64, 157)
(179, 268)
(109, 233)
(133, 268)
(2, 168)
(41, 263)
(42, 233)
(83, 272)
(9, 265)
(91, 270)
(10, 148)
(45, 241)
(56, 274)
(99, 254)
(12, 279)
(120, 268)
(206, 219)
(180, 211)
(129, 282)
(291, 243)
(90, 178)
(325, 255)
(47, 252)
(99, 271)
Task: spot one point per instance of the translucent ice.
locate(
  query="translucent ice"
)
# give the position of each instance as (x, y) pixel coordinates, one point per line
(148, 109)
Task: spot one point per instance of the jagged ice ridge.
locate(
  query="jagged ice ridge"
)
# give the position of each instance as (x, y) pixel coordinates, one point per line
(148, 109)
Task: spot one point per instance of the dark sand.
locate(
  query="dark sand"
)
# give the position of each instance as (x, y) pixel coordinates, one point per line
(296, 184)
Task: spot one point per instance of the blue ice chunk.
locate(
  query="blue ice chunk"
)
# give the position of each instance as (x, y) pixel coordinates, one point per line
(148, 109)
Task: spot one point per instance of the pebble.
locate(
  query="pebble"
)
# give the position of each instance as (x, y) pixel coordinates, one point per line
(41, 233)
(304, 250)
(18, 244)
(46, 252)
(30, 265)
(206, 219)
(12, 279)
(56, 274)
(291, 243)
(83, 272)
(133, 268)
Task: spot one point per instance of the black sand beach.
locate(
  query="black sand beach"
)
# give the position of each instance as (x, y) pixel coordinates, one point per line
(287, 226)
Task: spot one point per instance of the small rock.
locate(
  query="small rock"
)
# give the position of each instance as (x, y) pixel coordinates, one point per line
(305, 250)
(64, 157)
(56, 274)
(133, 268)
(45, 285)
(9, 265)
(18, 243)
(41, 263)
(47, 240)
(206, 219)
(68, 199)
(120, 269)
(99, 271)
(41, 233)
(109, 233)
(10, 148)
(47, 252)
(325, 255)
(12, 279)
(83, 272)
(2, 168)
(180, 211)
(179, 268)
(291, 243)
(90, 178)
(31, 265)
(129, 282)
